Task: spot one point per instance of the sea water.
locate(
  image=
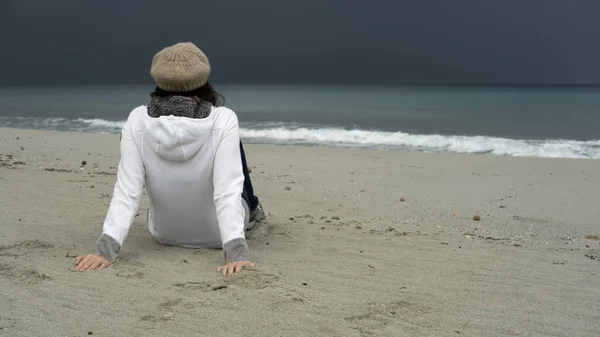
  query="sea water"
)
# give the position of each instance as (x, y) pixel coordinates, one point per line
(543, 121)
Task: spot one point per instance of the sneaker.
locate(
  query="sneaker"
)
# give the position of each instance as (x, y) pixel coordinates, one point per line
(257, 217)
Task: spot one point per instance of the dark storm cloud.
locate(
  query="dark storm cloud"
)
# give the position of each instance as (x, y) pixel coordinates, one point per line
(314, 41)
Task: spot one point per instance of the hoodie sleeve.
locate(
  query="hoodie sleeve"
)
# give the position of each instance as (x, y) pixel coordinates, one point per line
(228, 181)
(125, 200)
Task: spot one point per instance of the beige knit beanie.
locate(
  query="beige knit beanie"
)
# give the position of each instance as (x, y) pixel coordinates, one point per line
(180, 68)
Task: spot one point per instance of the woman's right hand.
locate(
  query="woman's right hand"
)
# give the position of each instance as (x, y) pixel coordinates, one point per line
(91, 262)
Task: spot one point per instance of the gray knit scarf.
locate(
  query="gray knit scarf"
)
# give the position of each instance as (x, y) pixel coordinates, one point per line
(180, 106)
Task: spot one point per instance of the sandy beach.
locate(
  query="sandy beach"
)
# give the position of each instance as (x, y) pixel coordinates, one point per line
(360, 243)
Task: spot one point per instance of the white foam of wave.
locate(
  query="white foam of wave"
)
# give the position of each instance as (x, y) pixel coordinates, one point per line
(101, 125)
(63, 124)
(429, 143)
(57, 123)
(280, 133)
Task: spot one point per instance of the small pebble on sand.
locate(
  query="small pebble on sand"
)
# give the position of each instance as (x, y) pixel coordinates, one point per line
(83, 163)
(402, 199)
(476, 218)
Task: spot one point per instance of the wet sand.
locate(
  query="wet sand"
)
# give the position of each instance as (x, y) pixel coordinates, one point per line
(360, 243)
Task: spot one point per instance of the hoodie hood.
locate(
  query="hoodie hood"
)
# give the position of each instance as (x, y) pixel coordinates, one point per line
(177, 127)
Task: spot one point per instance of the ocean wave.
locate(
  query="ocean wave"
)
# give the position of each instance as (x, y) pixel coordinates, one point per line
(426, 143)
(101, 124)
(63, 124)
(313, 135)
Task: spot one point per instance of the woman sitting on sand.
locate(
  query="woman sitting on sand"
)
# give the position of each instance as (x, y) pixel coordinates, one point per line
(187, 150)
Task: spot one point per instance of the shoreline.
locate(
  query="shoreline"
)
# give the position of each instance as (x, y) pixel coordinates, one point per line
(380, 148)
(360, 242)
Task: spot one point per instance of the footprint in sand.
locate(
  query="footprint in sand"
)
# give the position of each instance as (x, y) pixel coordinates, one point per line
(291, 297)
(132, 274)
(199, 286)
(127, 271)
(6, 161)
(129, 274)
(22, 274)
(7, 323)
(248, 278)
(168, 309)
(154, 319)
(593, 254)
(24, 247)
(170, 305)
(260, 231)
(251, 278)
(379, 318)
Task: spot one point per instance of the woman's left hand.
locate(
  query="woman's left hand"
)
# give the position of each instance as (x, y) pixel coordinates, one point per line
(234, 267)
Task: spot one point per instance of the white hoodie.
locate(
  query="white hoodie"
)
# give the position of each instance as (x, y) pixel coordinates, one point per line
(193, 174)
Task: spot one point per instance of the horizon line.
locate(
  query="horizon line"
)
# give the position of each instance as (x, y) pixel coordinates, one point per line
(302, 83)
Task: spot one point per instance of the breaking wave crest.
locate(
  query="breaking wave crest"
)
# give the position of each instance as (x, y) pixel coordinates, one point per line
(290, 134)
(426, 143)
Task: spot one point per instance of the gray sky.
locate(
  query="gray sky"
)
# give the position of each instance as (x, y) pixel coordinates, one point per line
(314, 41)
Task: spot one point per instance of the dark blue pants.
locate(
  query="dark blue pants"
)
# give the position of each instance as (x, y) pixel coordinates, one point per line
(248, 191)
